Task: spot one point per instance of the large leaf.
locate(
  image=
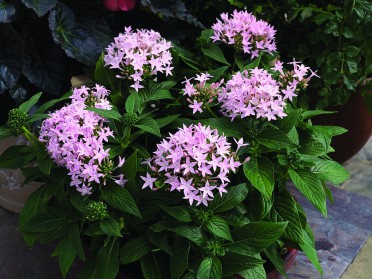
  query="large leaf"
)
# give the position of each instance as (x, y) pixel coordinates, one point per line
(151, 267)
(134, 250)
(309, 249)
(210, 268)
(51, 103)
(214, 52)
(25, 107)
(258, 206)
(103, 75)
(253, 238)
(225, 126)
(107, 260)
(179, 260)
(51, 220)
(11, 57)
(160, 240)
(120, 198)
(181, 213)
(149, 125)
(286, 208)
(76, 40)
(330, 171)
(260, 172)
(191, 233)
(14, 157)
(274, 138)
(130, 172)
(311, 187)
(40, 7)
(257, 272)
(234, 263)
(110, 227)
(229, 200)
(109, 114)
(7, 11)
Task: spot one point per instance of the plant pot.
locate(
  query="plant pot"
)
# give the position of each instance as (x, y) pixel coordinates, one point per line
(12, 194)
(353, 116)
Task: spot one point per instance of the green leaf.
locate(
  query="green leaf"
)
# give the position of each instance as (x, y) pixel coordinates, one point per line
(210, 268)
(164, 121)
(353, 66)
(217, 73)
(130, 172)
(103, 75)
(161, 95)
(109, 114)
(215, 53)
(181, 213)
(229, 200)
(289, 122)
(107, 260)
(258, 206)
(234, 264)
(330, 171)
(134, 250)
(5, 132)
(257, 272)
(274, 138)
(151, 267)
(159, 239)
(260, 172)
(311, 187)
(218, 227)
(225, 126)
(286, 207)
(132, 103)
(191, 233)
(347, 32)
(38, 117)
(180, 259)
(46, 222)
(352, 51)
(119, 198)
(45, 165)
(149, 125)
(25, 107)
(51, 103)
(110, 227)
(311, 113)
(309, 249)
(272, 253)
(253, 238)
(40, 7)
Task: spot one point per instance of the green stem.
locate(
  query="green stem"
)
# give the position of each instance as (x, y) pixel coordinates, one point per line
(211, 112)
(31, 137)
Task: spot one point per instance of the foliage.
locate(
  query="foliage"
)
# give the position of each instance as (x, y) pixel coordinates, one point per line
(161, 232)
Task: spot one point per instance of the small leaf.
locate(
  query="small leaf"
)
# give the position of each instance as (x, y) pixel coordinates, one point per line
(25, 107)
(120, 198)
(218, 227)
(109, 114)
(210, 268)
(260, 172)
(134, 250)
(217, 73)
(308, 248)
(160, 240)
(257, 272)
(164, 121)
(148, 125)
(215, 53)
(132, 103)
(110, 227)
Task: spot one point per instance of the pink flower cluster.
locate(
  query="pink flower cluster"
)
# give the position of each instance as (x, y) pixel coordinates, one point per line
(75, 138)
(138, 55)
(195, 160)
(252, 92)
(245, 32)
(202, 93)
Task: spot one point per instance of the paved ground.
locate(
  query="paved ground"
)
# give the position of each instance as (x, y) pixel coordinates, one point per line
(343, 239)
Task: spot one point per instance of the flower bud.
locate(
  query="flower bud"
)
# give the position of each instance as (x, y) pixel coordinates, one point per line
(119, 5)
(96, 211)
(16, 120)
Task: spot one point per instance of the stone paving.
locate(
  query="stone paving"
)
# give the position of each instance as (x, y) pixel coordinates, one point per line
(339, 238)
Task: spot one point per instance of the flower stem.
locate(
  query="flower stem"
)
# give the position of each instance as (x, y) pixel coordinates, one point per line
(211, 112)
(31, 137)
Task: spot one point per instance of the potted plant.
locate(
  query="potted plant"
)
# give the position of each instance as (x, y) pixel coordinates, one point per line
(333, 37)
(175, 164)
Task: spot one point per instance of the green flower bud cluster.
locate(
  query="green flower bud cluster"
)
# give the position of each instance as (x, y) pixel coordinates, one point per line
(16, 120)
(214, 248)
(96, 211)
(130, 118)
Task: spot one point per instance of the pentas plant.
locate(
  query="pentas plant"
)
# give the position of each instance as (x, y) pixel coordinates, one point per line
(210, 151)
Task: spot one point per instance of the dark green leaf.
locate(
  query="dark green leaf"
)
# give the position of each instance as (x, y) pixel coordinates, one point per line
(234, 263)
(353, 66)
(214, 52)
(288, 122)
(110, 227)
(311, 187)
(229, 200)
(308, 248)
(130, 172)
(253, 238)
(257, 272)
(119, 197)
(181, 213)
(134, 250)
(103, 75)
(210, 268)
(107, 260)
(40, 7)
(159, 239)
(149, 125)
(352, 51)
(179, 260)
(260, 172)
(272, 253)
(311, 113)
(132, 103)
(218, 227)
(161, 95)
(5, 132)
(274, 138)
(25, 107)
(109, 114)
(46, 222)
(151, 267)
(164, 121)
(217, 73)
(14, 157)
(258, 206)
(225, 126)
(51, 103)
(191, 233)
(330, 171)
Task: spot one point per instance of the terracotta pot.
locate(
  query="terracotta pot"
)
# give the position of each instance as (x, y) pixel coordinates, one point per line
(12, 194)
(353, 116)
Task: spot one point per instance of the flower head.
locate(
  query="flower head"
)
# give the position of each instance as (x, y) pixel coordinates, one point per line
(245, 32)
(195, 161)
(139, 54)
